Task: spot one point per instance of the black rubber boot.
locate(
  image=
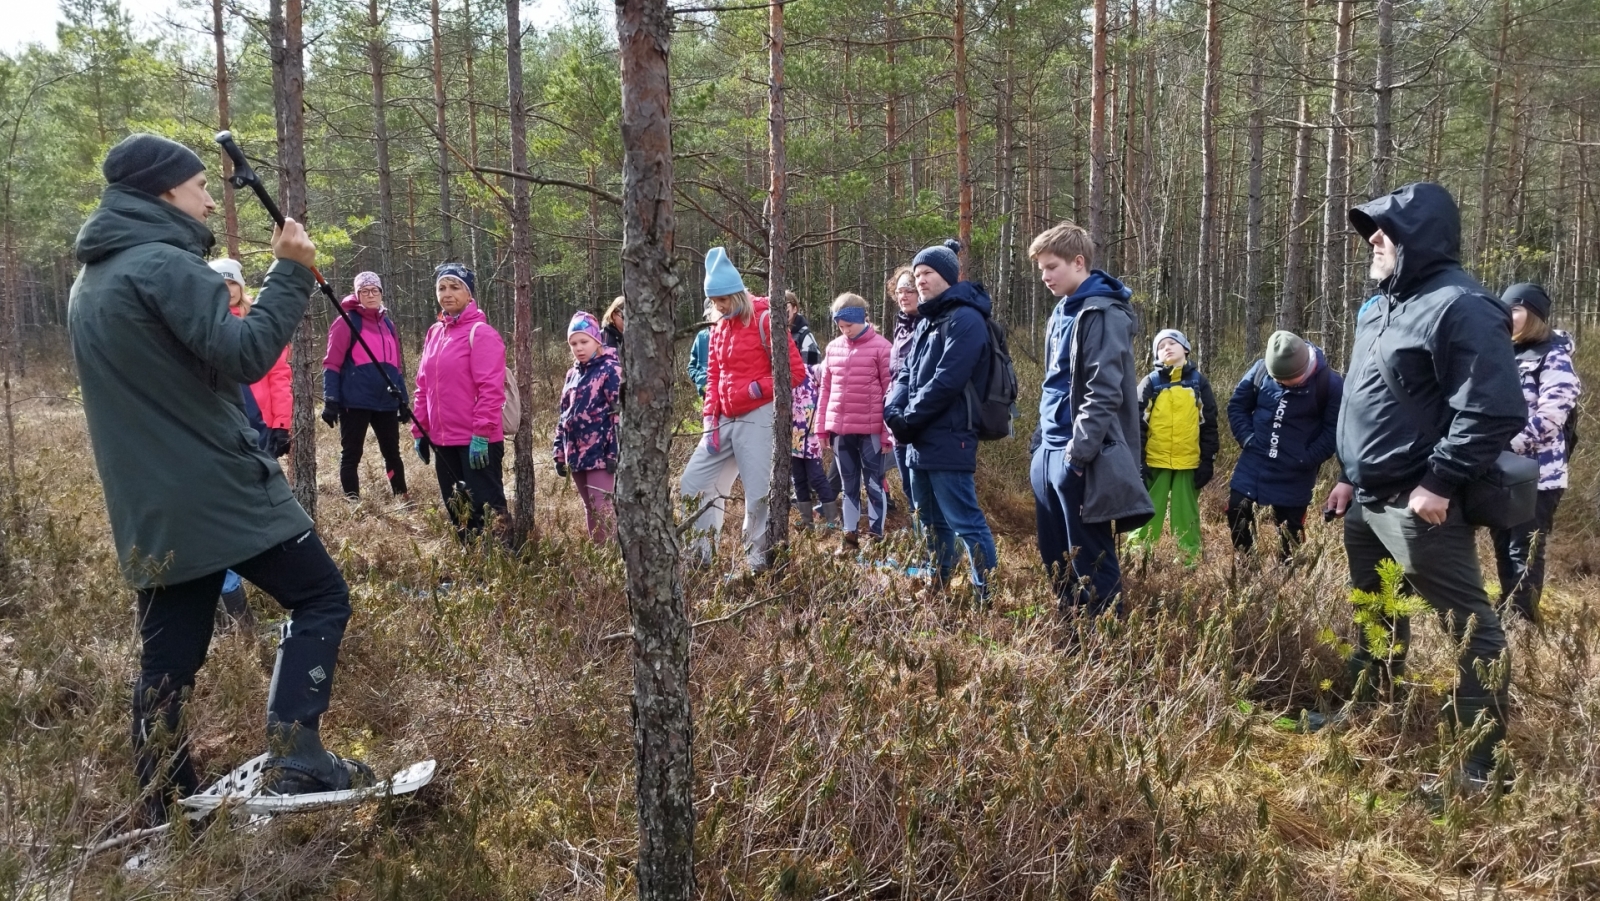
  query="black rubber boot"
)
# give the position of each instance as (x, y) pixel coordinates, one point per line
(160, 749)
(300, 765)
(237, 608)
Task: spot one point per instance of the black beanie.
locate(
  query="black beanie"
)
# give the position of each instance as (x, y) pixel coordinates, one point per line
(151, 163)
(1529, 295)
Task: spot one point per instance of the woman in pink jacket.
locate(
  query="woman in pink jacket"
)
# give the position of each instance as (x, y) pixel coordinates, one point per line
(855, 380)
(459, 402)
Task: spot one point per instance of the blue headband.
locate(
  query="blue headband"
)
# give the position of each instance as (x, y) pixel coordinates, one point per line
(459, 272)
(857, 315)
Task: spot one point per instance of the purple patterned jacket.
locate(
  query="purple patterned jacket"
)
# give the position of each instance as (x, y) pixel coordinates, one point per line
(586, 433)
(807, 445)
(1550, 386)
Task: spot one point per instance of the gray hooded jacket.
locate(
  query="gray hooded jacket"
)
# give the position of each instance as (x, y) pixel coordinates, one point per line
(1447, 341)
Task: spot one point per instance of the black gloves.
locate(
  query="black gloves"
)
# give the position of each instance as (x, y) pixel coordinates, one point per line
(611, 466)
(1035, 440)
(278, 442)
(405, 413)
(1202, 475)
(330, 412)
(900, 429)
(424, 450)
(561, 468)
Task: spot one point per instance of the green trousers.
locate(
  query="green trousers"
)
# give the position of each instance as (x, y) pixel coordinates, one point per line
(1174, 487)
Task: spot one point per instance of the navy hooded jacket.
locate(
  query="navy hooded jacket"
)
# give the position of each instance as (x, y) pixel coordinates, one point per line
(1286, 433)
(949, 349)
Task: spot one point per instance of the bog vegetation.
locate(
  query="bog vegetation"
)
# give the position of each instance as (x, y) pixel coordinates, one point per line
(851, 741)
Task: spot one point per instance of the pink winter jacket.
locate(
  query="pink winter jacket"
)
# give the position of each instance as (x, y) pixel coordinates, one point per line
(461, 384)
(855, 381)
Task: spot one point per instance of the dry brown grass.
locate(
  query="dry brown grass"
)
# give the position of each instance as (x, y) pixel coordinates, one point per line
(852, 742)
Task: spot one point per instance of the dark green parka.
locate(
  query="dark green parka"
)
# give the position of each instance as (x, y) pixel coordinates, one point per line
(161, 360)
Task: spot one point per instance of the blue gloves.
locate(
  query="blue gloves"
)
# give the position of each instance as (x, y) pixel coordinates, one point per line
(478, 452)
(424, 450)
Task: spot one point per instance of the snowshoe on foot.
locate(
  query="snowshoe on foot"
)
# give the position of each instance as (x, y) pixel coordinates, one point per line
(300, 765)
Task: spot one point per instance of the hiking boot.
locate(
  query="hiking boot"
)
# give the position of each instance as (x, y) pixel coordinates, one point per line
(300, 765)
(830, 512)
(849, 545)
(1471, 780)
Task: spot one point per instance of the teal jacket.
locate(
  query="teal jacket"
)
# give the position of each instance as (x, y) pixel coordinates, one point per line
(161, 361)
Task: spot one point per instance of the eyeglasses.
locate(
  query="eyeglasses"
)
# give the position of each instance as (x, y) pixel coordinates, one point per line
(370, 291)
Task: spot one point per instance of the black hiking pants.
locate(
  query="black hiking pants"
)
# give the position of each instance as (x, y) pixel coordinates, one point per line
(385, 425)
(460, 484)
(1291, 522)
(1519, 557)
(175, 623)
(1441, 566)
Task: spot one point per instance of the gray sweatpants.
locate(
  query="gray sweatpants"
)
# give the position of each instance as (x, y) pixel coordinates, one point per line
(745, 454)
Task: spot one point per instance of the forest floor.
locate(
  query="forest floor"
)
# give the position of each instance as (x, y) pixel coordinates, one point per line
(852, 741)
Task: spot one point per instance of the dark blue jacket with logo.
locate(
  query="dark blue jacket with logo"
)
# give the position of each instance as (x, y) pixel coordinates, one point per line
(949, 349)
(1286, 433)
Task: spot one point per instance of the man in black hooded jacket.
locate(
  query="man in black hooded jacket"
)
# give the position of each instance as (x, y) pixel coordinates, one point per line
(1446, 342)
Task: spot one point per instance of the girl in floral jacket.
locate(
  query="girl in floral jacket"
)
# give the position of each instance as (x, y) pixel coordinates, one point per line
(1550, 386)
(586, 433)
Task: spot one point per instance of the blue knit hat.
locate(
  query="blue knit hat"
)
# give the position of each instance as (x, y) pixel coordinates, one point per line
(721, 278)
(941, 258)
(459, 272)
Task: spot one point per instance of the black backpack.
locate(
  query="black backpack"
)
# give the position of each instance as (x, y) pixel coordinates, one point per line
(995, 410)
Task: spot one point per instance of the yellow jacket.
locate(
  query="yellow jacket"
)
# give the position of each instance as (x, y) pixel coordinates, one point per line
(1180, 418)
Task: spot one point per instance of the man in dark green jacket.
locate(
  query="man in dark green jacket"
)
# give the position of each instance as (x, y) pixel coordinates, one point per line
(189, 491)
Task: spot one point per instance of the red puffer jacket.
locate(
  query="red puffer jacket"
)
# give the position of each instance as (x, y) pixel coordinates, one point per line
(739, 368)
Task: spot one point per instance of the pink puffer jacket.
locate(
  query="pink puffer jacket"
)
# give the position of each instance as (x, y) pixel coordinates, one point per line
(855, 381)
(461, 381)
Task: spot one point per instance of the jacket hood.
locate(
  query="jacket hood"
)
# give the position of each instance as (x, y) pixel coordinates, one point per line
(800, 322)
(128, 217)
(605, 353)
(970, 294)
(1099, 284)
(468, 316)
(1424, 223)
(352, 304)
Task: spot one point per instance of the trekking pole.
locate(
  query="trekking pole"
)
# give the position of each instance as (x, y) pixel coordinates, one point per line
(246, 177)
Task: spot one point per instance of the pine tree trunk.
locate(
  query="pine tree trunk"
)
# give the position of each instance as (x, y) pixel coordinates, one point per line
(1487, 183)
(1097, 132)
(1335, 233)
(1254, 215)
(1205, 271)
(288, 95)
(522, 508)
(377, 50)
(447, 246)
(662, 727)
(963, 140)
(230, 206)
(1382, 102)
(1294, 263)
(777, 250)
